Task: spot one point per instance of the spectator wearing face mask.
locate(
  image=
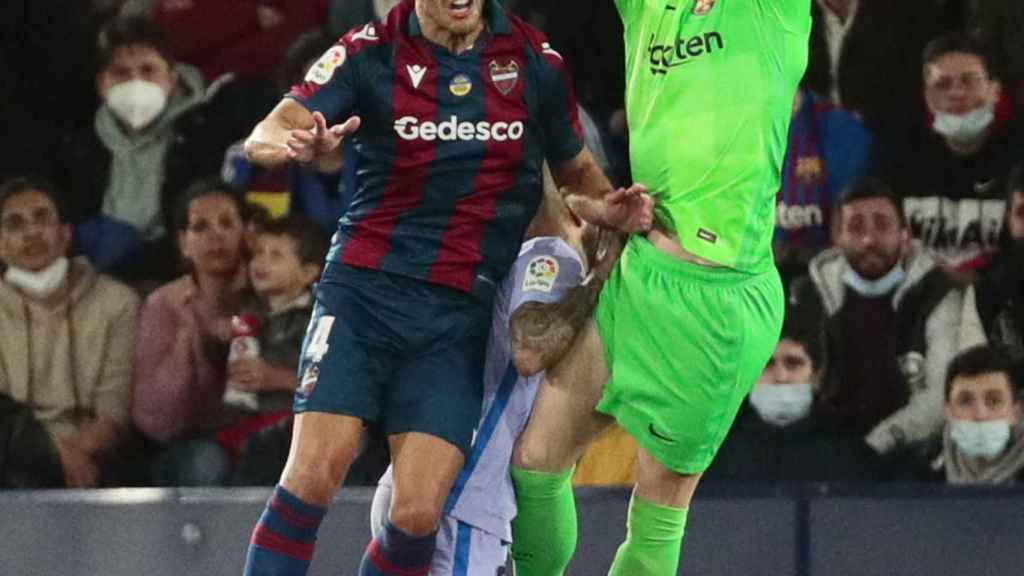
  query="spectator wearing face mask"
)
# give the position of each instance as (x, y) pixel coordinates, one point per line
(993, 311)
(159, 128)
(983, 439)
(778, 435)
(66, 345)
(953, 174)
(890, 318)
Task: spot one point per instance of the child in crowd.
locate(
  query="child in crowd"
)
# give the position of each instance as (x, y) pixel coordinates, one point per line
(286, 261)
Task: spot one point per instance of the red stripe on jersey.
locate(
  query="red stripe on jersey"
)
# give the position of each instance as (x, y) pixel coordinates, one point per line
(459, 253)
(371, 240)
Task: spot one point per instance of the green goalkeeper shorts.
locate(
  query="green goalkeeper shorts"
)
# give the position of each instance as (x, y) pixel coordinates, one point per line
(684, 344)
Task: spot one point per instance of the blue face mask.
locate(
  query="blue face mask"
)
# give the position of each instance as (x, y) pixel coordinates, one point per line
(980, 439)
(873, 288)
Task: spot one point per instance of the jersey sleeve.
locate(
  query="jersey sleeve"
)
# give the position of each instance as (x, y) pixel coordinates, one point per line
(559, 115)
(546, 270)
(329, 85)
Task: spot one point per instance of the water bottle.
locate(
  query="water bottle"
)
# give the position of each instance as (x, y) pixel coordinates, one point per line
(245, 343)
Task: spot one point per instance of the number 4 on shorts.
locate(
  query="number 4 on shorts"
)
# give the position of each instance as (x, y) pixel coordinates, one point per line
(317, 347)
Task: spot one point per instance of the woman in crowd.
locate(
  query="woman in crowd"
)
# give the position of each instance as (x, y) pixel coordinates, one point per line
(184, 331)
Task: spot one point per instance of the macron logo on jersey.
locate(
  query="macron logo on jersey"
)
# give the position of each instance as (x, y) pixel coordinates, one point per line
(451, 130)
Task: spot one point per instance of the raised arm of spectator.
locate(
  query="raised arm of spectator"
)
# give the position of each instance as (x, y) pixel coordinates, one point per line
(922, 417)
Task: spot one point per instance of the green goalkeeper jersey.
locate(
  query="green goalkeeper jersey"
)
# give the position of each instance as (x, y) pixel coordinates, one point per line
(710, 86)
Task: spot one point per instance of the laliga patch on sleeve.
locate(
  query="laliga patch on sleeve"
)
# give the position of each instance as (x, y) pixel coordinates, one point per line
(322, 71)
(541, 273)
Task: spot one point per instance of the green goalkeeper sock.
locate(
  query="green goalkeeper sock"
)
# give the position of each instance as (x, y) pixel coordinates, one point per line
(544, 530)
(654, 535)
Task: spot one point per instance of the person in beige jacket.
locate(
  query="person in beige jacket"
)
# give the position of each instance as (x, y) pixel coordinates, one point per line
(68, 334)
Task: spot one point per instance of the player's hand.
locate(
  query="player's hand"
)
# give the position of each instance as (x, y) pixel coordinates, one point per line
(630, 209)
(305, 146)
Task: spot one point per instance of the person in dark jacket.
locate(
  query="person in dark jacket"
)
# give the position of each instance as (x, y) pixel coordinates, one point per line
(890, 319)
(159, 128)
(778, 435)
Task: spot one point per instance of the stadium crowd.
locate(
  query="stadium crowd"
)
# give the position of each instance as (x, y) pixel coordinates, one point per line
(141, 251)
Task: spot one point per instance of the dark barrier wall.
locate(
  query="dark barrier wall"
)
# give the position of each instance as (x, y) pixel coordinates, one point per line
(739, 530)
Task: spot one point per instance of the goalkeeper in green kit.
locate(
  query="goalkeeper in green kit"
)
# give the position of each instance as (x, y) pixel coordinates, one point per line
(691, 314)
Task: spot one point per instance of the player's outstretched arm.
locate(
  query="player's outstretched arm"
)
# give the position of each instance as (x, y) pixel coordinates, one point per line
(291, 133)
(591, 196)
(543, 332)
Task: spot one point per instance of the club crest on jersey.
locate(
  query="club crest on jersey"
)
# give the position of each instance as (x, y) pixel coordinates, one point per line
(505, 77)
(702, 7)
(460, 85)
(321, 72)
(541, 273)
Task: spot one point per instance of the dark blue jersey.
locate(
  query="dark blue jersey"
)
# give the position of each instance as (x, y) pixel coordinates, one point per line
(448, 158)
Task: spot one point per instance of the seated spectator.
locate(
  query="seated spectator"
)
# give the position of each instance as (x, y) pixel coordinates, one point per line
(999, 24)
(778, 435)
(294, 188)
(246, 38)
(953, 174)
(158, 129)
(993, 310)
(983, 437)
(864, 55)
(890, 319)
(184, 330)
(828, 150)
(67, 340)
(285, 265)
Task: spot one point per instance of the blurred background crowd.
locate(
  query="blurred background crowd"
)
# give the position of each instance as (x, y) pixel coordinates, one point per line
(156, 286)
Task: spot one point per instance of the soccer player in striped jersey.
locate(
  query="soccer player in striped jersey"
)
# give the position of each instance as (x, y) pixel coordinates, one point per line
(452, 106)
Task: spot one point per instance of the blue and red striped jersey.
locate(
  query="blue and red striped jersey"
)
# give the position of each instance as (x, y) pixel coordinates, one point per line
(448, 157)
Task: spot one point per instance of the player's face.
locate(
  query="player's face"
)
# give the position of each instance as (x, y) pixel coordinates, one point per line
(871, 237)
(276, 268)
(958, 83)
(136, 62)
(789, 364)
(31, 234)
(458, 17)
(213, 239)
(983, 398)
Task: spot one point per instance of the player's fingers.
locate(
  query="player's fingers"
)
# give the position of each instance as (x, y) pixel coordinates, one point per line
(637, 189)
(303, 136)
(615, 197)
(319, 123)
(347, 127)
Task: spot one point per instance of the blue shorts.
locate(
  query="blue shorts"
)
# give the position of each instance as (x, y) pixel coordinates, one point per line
(396, 351)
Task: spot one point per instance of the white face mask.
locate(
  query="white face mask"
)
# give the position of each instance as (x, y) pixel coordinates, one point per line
(39, 284)
(874, 288)
(782, 404)
(137, 102)
(965, 127)
(980, 439)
